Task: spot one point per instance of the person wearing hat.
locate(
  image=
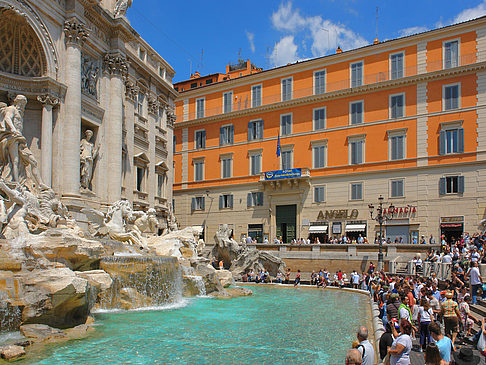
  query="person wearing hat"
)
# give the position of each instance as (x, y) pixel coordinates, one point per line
(465, 356)
(450, 313)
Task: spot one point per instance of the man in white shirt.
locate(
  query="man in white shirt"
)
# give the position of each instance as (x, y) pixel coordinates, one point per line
(475, 279)
(365, 348)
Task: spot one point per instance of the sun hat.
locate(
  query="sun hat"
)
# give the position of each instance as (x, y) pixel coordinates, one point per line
(449, 295)
(465, 356)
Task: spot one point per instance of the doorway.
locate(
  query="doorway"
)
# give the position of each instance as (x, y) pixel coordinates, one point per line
(286, 220)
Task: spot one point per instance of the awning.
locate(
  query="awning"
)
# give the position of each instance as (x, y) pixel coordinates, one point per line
(318, 229)
(451, 225)
(355, 227)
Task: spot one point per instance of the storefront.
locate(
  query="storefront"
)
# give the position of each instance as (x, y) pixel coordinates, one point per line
(354, 229)
(397, 231)
(452, 227)
(318, 230)
(255, 231)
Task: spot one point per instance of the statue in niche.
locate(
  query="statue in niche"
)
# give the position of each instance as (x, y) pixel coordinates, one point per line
(90, 72)
(88, 154)
(121, 7)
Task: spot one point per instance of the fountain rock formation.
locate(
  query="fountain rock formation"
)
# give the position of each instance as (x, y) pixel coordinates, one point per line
(240, 258)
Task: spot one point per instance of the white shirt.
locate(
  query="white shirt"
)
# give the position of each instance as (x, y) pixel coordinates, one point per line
(369, 352)
(447, 259)
(475, 257)
(474, 275)
(426, 315)
(404, 313)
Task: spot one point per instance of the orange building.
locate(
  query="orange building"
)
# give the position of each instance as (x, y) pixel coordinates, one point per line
(404, 119)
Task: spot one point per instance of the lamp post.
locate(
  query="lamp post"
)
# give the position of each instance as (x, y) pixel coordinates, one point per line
(380, 218)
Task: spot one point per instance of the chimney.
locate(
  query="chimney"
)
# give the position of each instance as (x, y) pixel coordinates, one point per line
(339, 50)
(376, 41)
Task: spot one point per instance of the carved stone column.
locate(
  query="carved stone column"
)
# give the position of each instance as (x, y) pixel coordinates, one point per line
(48, 102)
(75, 33)
(117, 67)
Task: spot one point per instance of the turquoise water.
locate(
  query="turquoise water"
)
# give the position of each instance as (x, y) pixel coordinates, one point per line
(274, 326)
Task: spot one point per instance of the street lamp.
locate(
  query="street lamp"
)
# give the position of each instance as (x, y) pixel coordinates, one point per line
(380, 218)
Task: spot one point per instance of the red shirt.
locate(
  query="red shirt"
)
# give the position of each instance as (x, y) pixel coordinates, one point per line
(340, 275)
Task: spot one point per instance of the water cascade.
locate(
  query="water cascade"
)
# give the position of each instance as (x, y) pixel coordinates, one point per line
(194, 285)
(141, 282)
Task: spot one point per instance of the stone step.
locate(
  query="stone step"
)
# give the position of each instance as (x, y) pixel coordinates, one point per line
(478, 309)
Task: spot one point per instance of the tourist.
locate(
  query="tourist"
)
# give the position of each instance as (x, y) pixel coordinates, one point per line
(434, 304)
(365, 348)
(392, 307)
(432, 240)
(313, 278)
(221, 265)
(266, 241)
(475, 279)
(353, 357)
(425, 316)
(465, 356)
(371, 268)
(355, 279)
(279, 277)
(443, 343)
(386, 339)
(450, 314)
(467, 319)
(287, 276)
(249, 241)
(297, 278)
(402, 345)
(432, 355)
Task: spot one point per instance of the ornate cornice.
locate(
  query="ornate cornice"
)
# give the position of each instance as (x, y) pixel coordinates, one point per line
(75, 32)
(116, 64)
(32, 86)
(48, 100)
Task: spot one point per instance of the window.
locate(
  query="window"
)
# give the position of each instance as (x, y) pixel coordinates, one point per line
(356, 111)
(226, 166)
(225, 201)
(286, 159)
(226, 135)
(319, 119)
(396, 106)
(193, 85)
(160, 185)
(287, 89)
(140, 179)
(255, 130)
(396, 147)
(174, 143)
(228, 102)
(451, 141)
(198, 170)
(256, 96)
(255, 199)
(356, 74)
(451, 54)
(140, 101)
(356, 151)
(255, 163)
(319, 194)
(451, 185)
(286, 124)
(396, 189)
(200, 108)
(209, 81)
(200, 139)
(320, 82)
(357, 191)
(451, 97)
(197, 203)
(396, 66)
(319, 149)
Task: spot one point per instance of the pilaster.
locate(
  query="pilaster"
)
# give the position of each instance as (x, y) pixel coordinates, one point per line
(48, 102)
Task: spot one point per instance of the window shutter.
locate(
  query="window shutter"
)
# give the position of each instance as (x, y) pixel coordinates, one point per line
(230, 201)
(400, 148)
(359, 150)
(193, 204)
(248, 200)
(221, 135)
(202, 203)
(460, 140)
(231, 133)
(260, 129)
(249, 131)
(400, 66)
(442, 143)
(447, 55)
(221, 201)
(204, 139)
(442, 186)
(316, 195)
(460, 184)
(260, 198)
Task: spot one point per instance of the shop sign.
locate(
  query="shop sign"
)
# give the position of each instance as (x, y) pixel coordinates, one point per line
(336, 228)
(452, 219)
(337, 214)
(401, 211)
(283, 174)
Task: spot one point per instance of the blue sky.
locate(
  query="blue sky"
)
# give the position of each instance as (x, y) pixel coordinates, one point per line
(274, 33)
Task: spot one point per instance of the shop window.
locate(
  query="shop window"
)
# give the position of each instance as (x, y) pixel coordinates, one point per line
(197, 203)
(225, 201)
(255, 199)
(451, 185)
(255, 231)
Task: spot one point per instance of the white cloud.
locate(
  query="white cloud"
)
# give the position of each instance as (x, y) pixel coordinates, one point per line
(412, 30)
(251, 40)
(285, 51)
(325, 35)
(471, 13)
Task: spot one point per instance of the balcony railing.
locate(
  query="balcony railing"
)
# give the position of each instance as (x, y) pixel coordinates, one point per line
(243, 101)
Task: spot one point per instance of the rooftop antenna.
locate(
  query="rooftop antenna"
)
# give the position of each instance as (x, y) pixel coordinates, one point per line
(376, 23)
(239, 54)
(190, 66)
(202, 54)
(268, 58)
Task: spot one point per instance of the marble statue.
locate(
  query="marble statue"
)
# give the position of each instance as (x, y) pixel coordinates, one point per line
(90, 72)
(147, 223)
(121, 7)
(88, 154)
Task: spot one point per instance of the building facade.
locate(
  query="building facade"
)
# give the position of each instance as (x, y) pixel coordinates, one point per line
(404, 119)
(100, 108)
